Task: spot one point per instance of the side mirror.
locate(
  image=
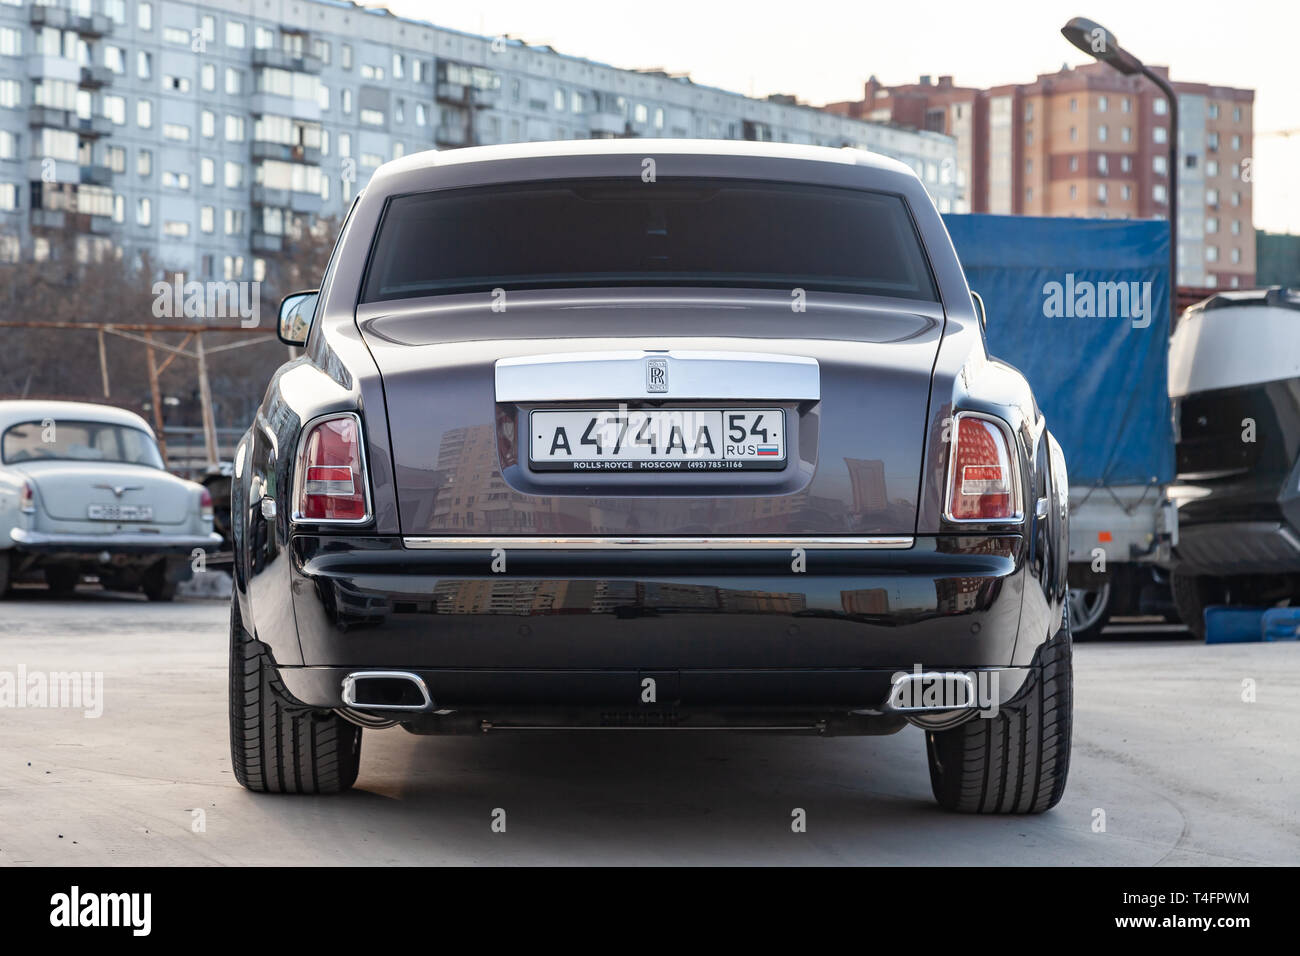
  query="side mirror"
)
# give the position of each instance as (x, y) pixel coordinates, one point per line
(296, 311)
(979, 310)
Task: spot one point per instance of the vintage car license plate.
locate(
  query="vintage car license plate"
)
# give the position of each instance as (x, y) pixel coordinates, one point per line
(119, 512)
(685, 439)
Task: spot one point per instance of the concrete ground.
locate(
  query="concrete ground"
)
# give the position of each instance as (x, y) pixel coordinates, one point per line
(1170, 766)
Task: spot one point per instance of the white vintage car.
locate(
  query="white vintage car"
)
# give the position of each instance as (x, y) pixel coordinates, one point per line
(83, 491)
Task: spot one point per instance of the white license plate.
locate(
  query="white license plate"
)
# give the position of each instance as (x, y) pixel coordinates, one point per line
(119, 512)
(683, 439)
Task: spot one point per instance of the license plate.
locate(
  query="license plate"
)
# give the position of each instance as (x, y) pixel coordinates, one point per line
(119, 512)
(684, 439)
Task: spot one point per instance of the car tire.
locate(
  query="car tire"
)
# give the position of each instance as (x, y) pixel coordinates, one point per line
(1018, 760)
(62, 580)
(278, 745)
(1192, 594)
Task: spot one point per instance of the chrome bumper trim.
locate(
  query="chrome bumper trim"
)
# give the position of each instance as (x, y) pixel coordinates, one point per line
(656, 543)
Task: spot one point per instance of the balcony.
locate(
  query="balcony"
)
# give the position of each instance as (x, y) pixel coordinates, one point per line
(266, 242)
(449, 137)
(606, 124)
(284, 60)
(88, 126)
(287, 199)
(264, 149)
(467, 94)
(97, 175)
(49, 219)
(96, 25)
(266, 196)
(94, 77)
(102, 225)
(277, 105)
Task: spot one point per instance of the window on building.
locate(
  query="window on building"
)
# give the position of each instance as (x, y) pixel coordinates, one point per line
(1212, 142)
(1126, 164)
(1126, 192)
(263, 39)
(176, 132)
(234, 129)
(234, 222)
(144, 15)
(1103, 164)
(1103, 133)
(1074, 134)
(1160, 193)
(1160, 106)
(207, 171)
(399, 67)
(1236, 114)
(143, 211)
(174, 180)
(1211, 197)
(207, 124)
(176, 228)
(143, 64)
(1102, 104)
(208, 77)
(234, 81)
(1211, 167)
(1102, 192)
(1074, 191)
(144, 114)
(1211, 253)
(1160, 134)
(1236, 142)
(1074, 105)
(114, 108)
(234, 174)
(345, 58)
(372, 117)
(234, 34)
(1212, 224)
(1236, 227)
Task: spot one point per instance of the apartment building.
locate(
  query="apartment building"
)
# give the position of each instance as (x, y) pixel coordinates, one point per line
(1090, 141)
(202, 134)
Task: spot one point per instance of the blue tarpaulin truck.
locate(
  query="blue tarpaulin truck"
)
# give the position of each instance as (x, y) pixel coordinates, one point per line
(1081, 307)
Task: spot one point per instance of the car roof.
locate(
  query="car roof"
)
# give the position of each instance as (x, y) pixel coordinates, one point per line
(36, 410)
(388, 177)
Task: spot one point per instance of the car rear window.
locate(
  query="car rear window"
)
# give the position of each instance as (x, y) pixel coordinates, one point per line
(628, 232)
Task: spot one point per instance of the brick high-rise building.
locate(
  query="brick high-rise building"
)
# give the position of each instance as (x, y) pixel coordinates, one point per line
(1090, 141)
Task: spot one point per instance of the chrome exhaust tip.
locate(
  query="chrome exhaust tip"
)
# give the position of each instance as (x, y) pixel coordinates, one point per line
(386, 690)
(931, 692)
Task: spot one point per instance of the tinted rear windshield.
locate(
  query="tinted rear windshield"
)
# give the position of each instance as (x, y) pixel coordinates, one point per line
(628, 232)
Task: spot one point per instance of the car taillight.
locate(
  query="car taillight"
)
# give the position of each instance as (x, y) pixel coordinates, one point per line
(330, 484)
(981, 472)
(205, 504)
(27, 499)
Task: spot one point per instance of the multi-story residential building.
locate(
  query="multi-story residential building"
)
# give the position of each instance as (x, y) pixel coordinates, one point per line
(1090, 141)
(201, 134)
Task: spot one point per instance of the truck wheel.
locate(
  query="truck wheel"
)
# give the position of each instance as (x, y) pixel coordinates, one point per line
(157, 584)
(1018, 760)
(1090, 610)
(277, 745)
(61, 579)
(1192, 594)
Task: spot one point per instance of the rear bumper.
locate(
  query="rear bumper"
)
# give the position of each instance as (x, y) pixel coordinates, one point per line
(89, 545)
(1238, 547)
(712, 628)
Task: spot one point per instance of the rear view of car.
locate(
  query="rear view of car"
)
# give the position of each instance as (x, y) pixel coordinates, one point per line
(83, 491)
(1234, 379)
(707, 439)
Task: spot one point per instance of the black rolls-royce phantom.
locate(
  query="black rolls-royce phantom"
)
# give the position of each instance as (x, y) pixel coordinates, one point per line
(670, 434)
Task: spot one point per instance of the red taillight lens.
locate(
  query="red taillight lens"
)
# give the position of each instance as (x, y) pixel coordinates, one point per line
(205, 504)
(981, 478)
(27, 499)
(331, 482)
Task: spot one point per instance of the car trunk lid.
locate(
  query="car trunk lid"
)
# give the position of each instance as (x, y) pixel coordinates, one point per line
(850, 375)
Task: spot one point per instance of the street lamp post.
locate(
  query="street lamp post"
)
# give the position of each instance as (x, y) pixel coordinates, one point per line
(1098, 42)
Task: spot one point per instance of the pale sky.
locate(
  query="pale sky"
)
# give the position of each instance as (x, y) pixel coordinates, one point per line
(823, 50)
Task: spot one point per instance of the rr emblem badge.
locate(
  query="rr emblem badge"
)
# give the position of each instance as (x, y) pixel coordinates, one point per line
(656, 375)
